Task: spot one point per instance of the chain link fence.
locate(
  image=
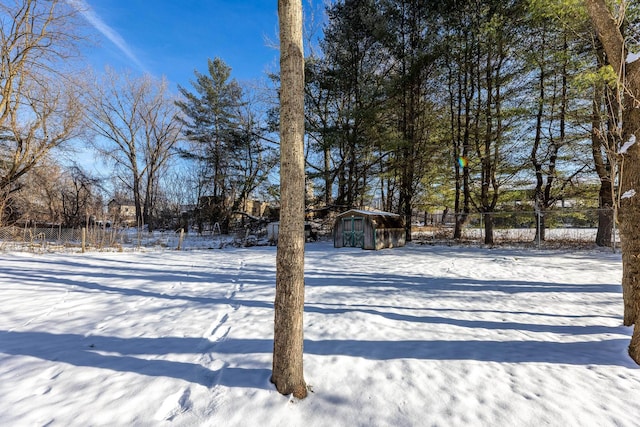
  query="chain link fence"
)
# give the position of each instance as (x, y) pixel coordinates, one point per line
(562, 228)
(58, 239)
(40, 239)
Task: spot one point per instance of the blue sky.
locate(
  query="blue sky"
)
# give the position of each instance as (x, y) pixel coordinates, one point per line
(175, 37)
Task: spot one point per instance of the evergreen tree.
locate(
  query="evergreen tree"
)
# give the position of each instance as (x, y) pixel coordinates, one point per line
(483, 40)
(412, 39)
(354, 73)
(212, 120)
(559, 148)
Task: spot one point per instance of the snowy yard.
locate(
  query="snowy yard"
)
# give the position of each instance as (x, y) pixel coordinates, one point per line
(415, 336)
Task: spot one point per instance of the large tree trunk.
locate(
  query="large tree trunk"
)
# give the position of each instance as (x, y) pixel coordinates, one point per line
(629, 212)
(289, 303)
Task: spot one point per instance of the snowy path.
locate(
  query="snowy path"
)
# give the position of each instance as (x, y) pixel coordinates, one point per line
(411, 336)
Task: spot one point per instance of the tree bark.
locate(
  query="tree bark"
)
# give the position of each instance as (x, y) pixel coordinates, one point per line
(488, 229)
(613, 42)
(287, 374)
(601, 147)
(604, 235)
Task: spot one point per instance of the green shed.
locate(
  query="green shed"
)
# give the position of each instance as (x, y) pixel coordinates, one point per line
(368, 230)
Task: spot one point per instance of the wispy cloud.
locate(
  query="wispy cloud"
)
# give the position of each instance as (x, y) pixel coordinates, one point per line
(112, 35)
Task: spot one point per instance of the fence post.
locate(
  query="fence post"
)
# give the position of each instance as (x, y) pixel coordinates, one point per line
(84, 238)
(538, 213)
(180, 239)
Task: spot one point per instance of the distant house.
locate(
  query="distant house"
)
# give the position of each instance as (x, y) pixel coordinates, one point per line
(255, 207)
(368, 230)
(122, 211)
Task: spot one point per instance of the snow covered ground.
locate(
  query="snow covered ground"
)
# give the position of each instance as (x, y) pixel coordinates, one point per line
(415, 336)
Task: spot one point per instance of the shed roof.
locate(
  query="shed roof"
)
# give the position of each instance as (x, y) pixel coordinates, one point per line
(382, 219)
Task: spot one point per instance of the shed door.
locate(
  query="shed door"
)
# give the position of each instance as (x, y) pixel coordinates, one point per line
(353, 235)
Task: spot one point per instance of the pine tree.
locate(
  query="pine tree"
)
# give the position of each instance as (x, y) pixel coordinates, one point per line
(211, 122)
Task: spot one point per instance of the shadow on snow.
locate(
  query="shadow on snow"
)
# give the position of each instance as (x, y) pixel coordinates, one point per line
(119, 354)
(139, 355)
(149, 356)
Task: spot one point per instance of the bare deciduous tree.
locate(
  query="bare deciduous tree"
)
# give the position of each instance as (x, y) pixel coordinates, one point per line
(39, 107)
(135, 120)
(78, 195)
(162, 131)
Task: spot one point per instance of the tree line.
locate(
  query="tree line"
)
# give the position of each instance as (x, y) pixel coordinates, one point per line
(450, 104)
(410, 105)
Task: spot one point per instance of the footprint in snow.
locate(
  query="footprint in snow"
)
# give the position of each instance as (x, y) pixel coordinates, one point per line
(174, 405)
(218, 330)
(41, 391)
(51, 373)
